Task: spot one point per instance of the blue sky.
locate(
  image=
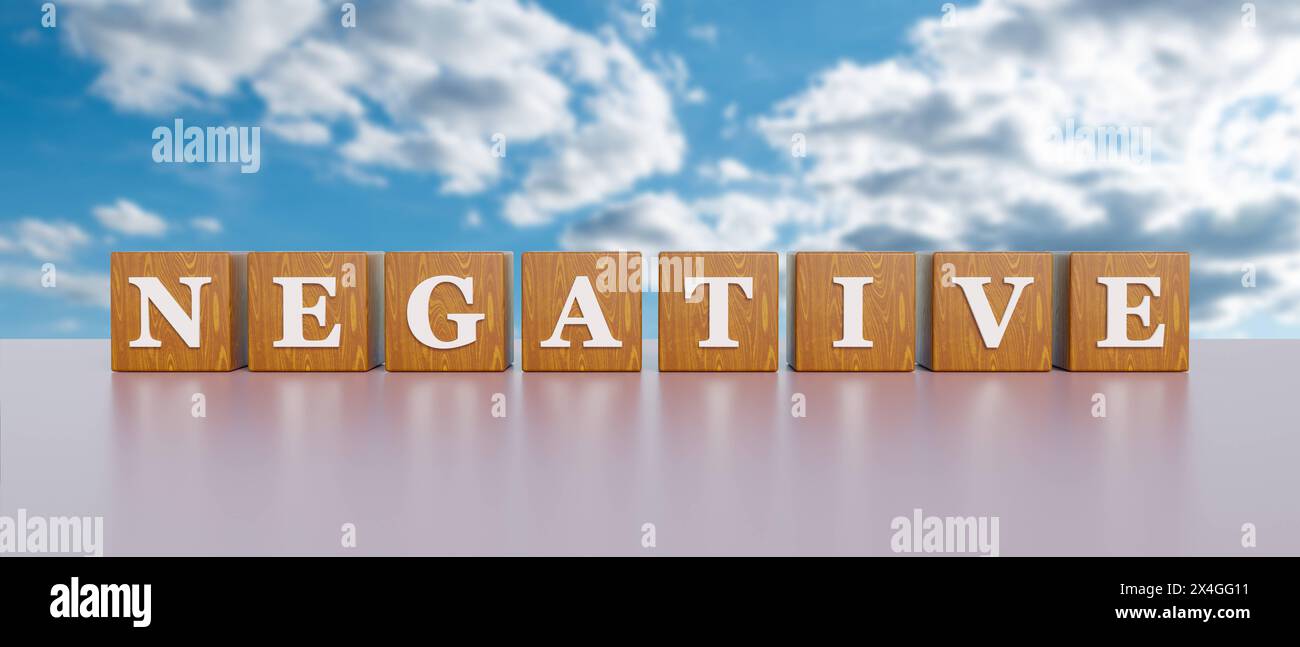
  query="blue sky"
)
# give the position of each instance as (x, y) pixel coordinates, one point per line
(924, 126)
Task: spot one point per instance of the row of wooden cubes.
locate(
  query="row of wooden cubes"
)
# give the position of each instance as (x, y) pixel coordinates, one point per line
(718, 311)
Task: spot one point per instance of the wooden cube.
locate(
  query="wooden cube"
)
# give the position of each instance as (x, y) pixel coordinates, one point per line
(315, 311)
(178, 311)
(1122, 311)
(448, 311)
(851, 311)
(581, 311)
(700, 329)
(963, 322)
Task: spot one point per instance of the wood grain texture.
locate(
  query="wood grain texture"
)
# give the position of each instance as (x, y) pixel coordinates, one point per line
(956, 344)
(1086, 317)
(222, 326)
(817, 307)
(350, 307)
(547, 278)
(752, 322)
(492, 273)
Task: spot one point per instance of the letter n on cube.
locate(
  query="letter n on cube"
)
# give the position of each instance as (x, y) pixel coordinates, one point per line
(315, 311)
(177, 311)
(1122, 311)
(448, 311)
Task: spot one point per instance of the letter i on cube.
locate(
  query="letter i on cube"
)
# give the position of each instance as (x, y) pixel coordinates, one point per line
(851, 311)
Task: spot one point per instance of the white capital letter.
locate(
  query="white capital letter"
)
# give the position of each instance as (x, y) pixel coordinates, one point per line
(719, 312)
(853, 286)
(1118, 311)
(589, 315)
(973, 287)
(152, 291)
(294, 311)
(417, 313)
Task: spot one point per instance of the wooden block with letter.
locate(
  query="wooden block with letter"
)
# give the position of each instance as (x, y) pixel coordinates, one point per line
(581, 312)
(851, 311)
(984, 311)
(178, 311)
(448, 311)
(718, 311)
(1122, 311)
(315, 311)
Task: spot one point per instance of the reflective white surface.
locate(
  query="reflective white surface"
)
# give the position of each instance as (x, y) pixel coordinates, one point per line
(715, 461)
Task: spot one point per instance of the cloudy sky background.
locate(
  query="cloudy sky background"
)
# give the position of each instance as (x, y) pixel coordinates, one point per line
(925, 127)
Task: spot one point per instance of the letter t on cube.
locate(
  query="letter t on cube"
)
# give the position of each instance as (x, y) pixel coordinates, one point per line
(718, 311)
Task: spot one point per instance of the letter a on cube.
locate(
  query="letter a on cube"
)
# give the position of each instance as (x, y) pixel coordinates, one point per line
(448, 311)
(718, 311)
(984, 311)
(1122, 311)
(178, 311)
(851, 311)
(315, 311)
(581, 311)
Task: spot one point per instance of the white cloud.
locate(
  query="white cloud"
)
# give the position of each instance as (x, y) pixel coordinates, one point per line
(958, 145)
(206, 225)
(65, 325)
(954, 145)
(129, 218)
(633, 134)
(673, 70)
(473, 220)
(704, 33)
(658, 221)
(726, 171)
(423, 87)
(46, 241)
(76, 286)
(163, 55)
(632, 21)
